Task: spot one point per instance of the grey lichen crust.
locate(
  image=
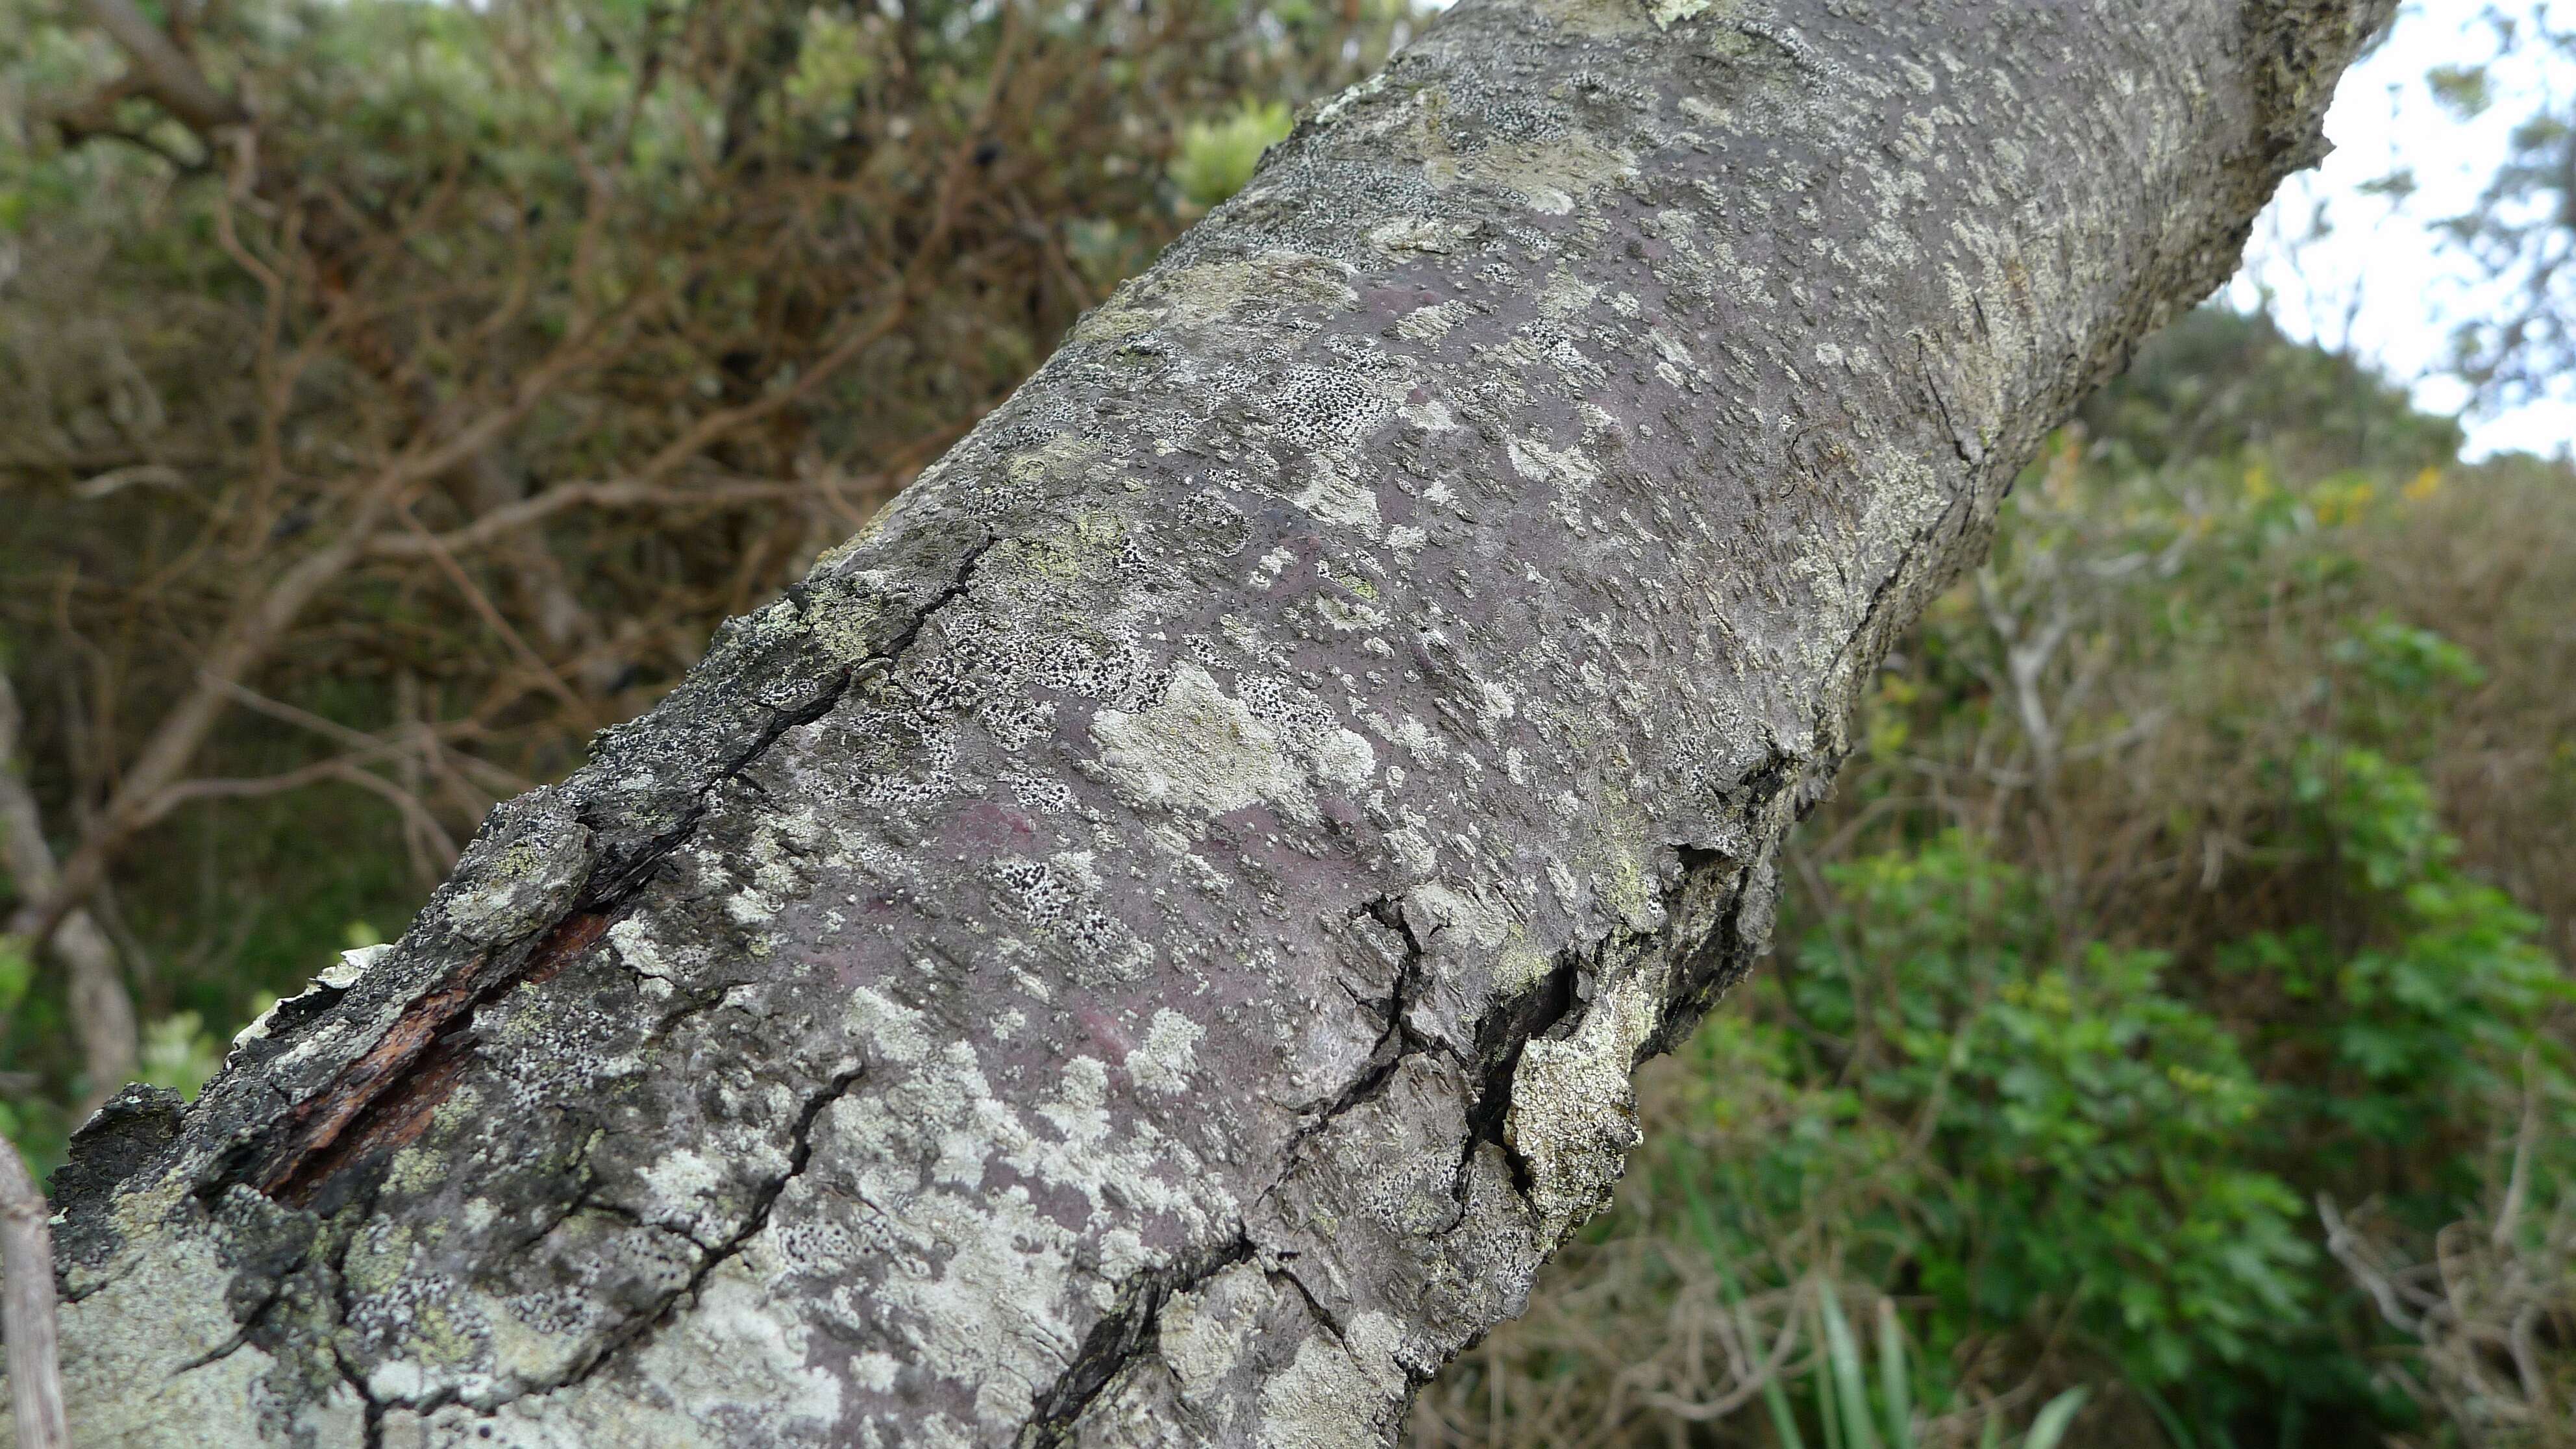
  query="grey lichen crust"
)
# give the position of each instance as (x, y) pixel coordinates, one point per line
(1147, 945)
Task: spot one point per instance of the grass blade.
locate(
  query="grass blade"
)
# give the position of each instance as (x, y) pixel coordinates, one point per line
(1784, 1420)
(2054, 1417)
(1825, 1413)
(1775, 1397)
(1850, 1378)
(1895, 1385)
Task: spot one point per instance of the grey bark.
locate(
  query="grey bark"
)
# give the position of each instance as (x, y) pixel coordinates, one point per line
(27, 1307)
(101, 1010)
(1148, 943)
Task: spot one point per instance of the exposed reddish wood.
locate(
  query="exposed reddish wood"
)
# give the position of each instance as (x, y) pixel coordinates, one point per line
(385, 1098)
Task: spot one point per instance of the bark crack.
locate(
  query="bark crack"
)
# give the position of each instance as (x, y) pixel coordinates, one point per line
(799, 1156)
(384, 1099)
(373, 1432)
(642, 1327)
(1120, 1337)
(1552, 1005)
(337, 1261)
(1396, 1037)
(1314, 1306)
(242, 1336)
(1703, 970)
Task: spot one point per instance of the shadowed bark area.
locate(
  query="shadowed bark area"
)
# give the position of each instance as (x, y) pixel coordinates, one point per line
(1147, 945)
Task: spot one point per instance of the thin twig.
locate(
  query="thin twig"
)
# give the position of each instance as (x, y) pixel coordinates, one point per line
(490, 613)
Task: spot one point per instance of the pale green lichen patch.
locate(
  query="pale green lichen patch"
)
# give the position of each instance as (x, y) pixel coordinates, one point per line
(522, 883)
(1202, 753)
(157, 1348)
(1668, 13)
(528, 1343)
(1608, 19)
(1205, 1331)
(897, 1032)
(995, 1280)
(1167, 1056)
(1331, 1398)
(1430, 324)
(1065, 453)
(1573, 1116)
(1197, 296)
(852, 626)
(1199, 752)
(1564, 468)
(1550, 177)
(739, 1354)
(1336, 497)
(734, 1368)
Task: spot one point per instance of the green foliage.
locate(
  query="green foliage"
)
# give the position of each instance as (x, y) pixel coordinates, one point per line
(2404, 675)
(1217, 157)
(2464, 90)
(2055, 1418)
(17, 972)
(2400, 1017)
(179, 1054)
(2045, 1127)
(1843, 1402)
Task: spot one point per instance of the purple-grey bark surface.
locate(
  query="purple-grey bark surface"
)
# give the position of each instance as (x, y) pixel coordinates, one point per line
(1148, 943)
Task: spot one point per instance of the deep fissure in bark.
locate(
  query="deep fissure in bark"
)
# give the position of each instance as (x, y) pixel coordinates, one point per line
(344, 1235)
(1552, 1006)
(1704, 972)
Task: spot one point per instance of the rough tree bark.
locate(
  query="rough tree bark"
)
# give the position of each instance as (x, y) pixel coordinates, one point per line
(1148, 943)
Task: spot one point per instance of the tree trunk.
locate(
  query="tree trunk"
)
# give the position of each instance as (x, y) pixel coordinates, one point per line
(102, 1012)
(1147, 944)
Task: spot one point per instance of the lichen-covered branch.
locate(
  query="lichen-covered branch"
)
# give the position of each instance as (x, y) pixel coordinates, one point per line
(1147, 944)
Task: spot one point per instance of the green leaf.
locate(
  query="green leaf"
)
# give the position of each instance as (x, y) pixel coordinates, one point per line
(179, 1054)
